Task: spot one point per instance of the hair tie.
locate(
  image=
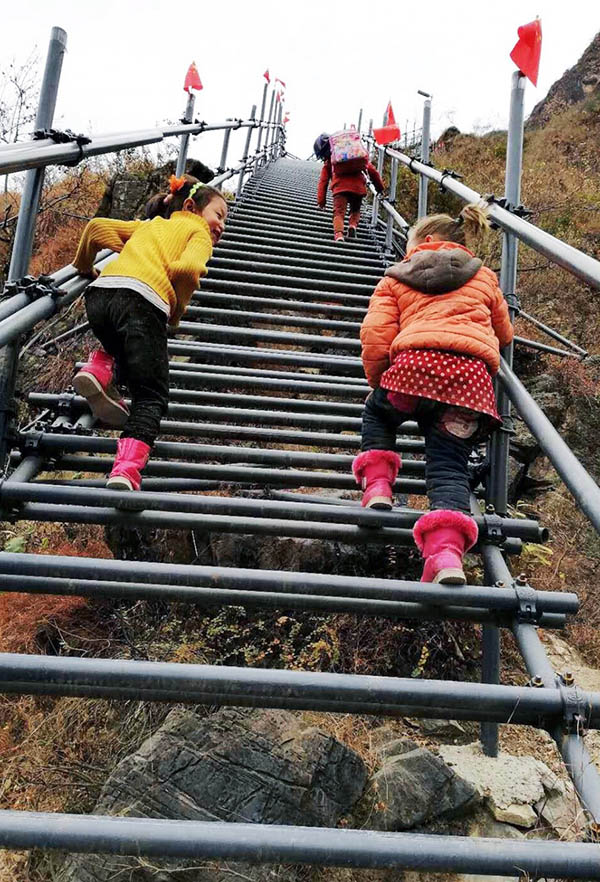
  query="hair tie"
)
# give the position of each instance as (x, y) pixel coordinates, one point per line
(196, 186)
(176, 184)
(459, 221)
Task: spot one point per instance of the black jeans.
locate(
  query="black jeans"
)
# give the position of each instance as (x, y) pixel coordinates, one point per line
(134, 332)
(446, 454)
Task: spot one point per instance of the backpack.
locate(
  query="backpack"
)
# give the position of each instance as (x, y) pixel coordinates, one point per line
(348, 153)
(321, 147)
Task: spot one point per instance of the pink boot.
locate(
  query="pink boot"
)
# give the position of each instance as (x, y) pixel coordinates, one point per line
(375, 471)
(443, 536)
(94, 382)
(132, 456)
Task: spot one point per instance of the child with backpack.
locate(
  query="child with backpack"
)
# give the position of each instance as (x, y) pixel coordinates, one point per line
(345, 163)
(430, 346)
(130, 304)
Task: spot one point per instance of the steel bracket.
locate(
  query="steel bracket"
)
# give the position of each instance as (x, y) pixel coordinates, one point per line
(448, 173)
(65, 136)
(513, 302)
(42, 286)
(493, 532)
(527, 612)
(575, 710)
(30, 442)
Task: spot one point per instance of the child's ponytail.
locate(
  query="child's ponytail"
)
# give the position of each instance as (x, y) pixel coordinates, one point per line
(474, 219)
(180, 189)
(472, 222)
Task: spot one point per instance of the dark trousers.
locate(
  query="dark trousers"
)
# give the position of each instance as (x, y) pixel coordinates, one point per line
(341, 201)
(446, 454)
(134, 332)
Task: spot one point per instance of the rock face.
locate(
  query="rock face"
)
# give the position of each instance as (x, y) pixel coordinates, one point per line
(413, 786)
(518, 790)
(574, 85)
(234, 765)
(126, 194)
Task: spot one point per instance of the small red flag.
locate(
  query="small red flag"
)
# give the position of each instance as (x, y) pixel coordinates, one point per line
(286, 119)
(526, 53)
(389, 119)
(267, 75)
(386, 134)
(192, 79)
(277, 80)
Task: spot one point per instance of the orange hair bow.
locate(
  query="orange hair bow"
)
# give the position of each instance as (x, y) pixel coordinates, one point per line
(176, 184)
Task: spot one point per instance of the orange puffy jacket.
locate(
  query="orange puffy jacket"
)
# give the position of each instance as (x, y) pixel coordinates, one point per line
(439, 297)
(349, 183)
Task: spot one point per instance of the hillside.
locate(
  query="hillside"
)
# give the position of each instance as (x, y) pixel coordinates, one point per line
(73, 744)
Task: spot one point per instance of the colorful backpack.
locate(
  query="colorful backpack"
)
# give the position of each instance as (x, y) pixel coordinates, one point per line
(348, 153)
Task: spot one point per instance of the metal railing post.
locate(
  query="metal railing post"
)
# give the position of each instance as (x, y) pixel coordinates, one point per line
(245, 155)
(262, 116)
(269, 131)
(188, 116)
(390, 220)
(423, 181)
(23, 241)
(360, 114)
(225, 148)
(497, 488)
(380, 160)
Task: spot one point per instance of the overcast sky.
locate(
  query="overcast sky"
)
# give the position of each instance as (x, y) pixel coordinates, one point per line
(126, 59)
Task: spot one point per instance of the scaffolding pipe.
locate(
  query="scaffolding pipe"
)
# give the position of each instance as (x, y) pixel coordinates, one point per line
(188, 116)
(322, 846)
(581, 265)
(580, 483)
(13, 493)
(65, 570)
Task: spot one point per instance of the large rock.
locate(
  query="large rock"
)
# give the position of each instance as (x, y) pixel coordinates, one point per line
(235, 765)
(518, 790)
(414, 786)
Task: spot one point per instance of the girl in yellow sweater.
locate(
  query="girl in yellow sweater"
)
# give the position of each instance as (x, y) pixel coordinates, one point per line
(130, 303)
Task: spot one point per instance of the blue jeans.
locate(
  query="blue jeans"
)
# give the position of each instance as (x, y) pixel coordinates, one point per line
(446, 452)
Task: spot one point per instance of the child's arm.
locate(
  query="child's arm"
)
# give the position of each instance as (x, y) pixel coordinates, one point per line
(185, 272)
(380, 325)
(501, 322)
(375, 177)
(102, 232)
(323, 182)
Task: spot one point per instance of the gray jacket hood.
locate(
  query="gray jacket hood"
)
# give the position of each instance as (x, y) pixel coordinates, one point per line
(436, 272)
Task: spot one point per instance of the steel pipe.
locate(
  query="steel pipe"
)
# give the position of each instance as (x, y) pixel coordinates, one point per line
(262, 843)
(581, 265)
(64, 570)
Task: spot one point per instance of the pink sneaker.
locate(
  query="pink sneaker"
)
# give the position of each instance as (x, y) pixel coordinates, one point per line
(132, 456)
(375, 471)
(94, 382)
(443, 536)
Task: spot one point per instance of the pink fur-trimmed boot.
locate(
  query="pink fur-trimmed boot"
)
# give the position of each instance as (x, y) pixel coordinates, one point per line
(375, 471)
(94, 382)
(132, 456)
(442, 537)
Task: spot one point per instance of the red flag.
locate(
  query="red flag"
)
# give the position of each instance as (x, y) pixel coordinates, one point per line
(526, 53)
(286, 119)
(267, 75)
(192, 79)
(277, 80)
(388, 118)
(387, 134)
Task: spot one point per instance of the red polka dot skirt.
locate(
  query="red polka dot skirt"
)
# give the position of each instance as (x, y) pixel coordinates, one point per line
(459, 380)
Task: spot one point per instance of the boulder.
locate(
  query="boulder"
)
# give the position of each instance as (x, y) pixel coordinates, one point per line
(414, 786)
(517, 789)
(234, 765)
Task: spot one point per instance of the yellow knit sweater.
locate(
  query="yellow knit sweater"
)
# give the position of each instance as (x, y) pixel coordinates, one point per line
(169, 255)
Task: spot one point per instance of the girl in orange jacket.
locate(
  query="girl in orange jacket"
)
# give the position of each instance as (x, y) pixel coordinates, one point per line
(430, 344)
(129, 305)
